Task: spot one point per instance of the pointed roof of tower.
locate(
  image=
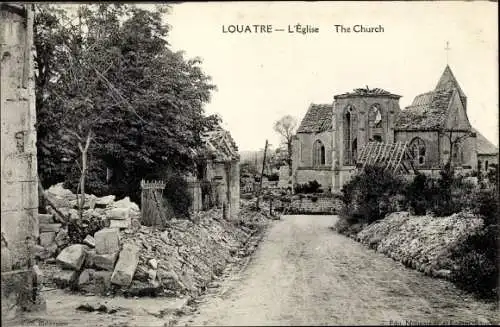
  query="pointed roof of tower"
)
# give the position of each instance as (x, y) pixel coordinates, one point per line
(449, 82)
(429, 110)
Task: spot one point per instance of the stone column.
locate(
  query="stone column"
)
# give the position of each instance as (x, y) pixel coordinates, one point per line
(234, 189)
(19, 181)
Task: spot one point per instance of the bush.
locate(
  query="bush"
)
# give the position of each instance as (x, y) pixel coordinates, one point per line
(476, 268)
(367, 195)
(419, 194)
(487, 205)
(306, 188)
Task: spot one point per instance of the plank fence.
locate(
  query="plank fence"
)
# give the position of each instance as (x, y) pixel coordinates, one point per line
(153, 212)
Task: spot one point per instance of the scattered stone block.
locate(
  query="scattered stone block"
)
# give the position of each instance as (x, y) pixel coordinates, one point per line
(73, 214)
(88, 204)
(45, 218)
(153, 263)
(90, 241)
(65, 278)
(107, 240)
(152, 275)
(102, 282)
(104, 201)
(118, 214)
(62, 238)
(120, 224)
(138, 288)
(50, 228)
(38, 251)
(126, 265)
(72, 257)
(89, 258)
(105, 261)
(51, 250)
(85, 277)
(46, 238)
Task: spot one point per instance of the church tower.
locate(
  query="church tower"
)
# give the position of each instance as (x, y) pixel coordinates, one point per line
(449, 82)
(361, 116)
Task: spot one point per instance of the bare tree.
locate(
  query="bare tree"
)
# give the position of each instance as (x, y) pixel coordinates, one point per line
(286, 128)
(455, 138)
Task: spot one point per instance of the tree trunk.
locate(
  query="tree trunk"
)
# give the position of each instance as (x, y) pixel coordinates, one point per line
(84, 151)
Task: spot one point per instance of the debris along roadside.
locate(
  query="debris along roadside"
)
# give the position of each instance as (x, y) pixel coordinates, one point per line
(142, 261)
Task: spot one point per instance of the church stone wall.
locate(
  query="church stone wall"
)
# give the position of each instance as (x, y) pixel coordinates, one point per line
(361, 129)
(432, 146)
(304, 148)
(468, 155)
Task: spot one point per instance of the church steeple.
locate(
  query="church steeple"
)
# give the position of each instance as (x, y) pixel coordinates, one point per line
(449, 82)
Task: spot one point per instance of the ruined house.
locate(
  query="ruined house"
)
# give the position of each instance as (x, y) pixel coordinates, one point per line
(330, 138)
(217, 178)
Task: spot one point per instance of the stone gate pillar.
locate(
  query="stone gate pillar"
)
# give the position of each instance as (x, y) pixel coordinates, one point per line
(19, 188)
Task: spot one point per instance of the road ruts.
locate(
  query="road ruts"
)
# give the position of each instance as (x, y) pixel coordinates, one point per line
(304, 273)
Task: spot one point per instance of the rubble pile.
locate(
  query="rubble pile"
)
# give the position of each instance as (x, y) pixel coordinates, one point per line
(98, 212)
(145, 261)
(421, 242)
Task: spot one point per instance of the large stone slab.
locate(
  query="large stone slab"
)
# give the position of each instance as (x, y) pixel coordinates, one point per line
(126, 265)
(102, 282)
(90, 241)
(45, 218)
(62, 238)
(72, 257)
(107, 241)
(50, 228)
(118, 214)
(104, 201)
(46, 238)
(120, 224)
(105, 261)
(65, 278)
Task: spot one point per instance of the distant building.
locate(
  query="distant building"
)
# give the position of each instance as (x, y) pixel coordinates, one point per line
(330, 136)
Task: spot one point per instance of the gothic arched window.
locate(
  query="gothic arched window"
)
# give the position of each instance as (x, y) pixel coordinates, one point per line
(318, 153)
(354, 149)
(375, 116)
(417, 148)
(350, 131)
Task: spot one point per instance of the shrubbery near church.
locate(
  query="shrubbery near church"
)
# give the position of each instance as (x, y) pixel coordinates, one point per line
(374, 193)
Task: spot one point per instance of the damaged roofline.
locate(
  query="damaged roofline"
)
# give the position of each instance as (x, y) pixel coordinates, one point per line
(17, 9)
(403, 129)
(349, 95)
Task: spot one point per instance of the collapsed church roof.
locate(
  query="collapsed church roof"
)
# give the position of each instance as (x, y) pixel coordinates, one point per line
(484, 146)
(428, 110)
(317, 119)
(219, 146)
(367, 92)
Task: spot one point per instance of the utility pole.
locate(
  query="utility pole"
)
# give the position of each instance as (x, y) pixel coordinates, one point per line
(262, 175)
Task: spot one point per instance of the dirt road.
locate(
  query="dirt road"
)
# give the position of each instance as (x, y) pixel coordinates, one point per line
(305, 273)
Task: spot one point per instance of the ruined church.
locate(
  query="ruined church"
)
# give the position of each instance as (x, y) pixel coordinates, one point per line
(334, 139)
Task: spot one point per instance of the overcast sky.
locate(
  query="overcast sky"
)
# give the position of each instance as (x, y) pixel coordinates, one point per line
(261, 77)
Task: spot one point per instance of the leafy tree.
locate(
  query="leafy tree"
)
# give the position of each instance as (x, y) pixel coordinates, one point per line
(109, 72)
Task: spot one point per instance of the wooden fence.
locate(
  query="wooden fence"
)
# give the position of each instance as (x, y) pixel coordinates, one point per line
(153, 212)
